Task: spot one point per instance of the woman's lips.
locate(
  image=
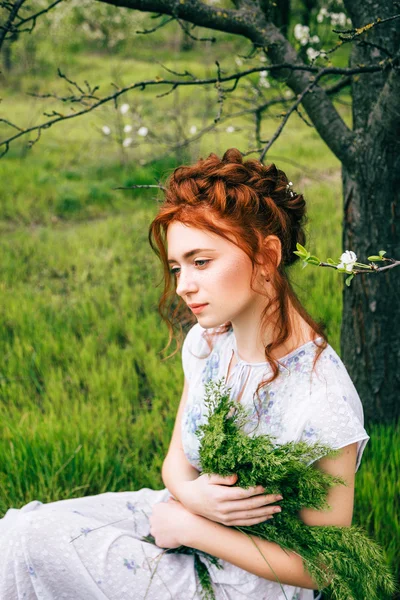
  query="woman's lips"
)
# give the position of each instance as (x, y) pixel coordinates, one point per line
(198, 309)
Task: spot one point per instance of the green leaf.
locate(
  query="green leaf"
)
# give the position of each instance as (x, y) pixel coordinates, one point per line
(382, 253)
(330, 261)
(349, 279)
(374, 258)
(297, 253)
(313, 260)
(301, 249)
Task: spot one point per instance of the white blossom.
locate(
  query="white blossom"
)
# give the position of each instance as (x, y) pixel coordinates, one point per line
(302, 33)
(230, 129)
(288, 94)
(143, 131)
(193, 130)
(263, 58)
(338, 19)
(312, 54)
(314, 39)
(127, 142)
(347, 261)
(124, 109)
(238, 61)
(127, 128)
(106, 130)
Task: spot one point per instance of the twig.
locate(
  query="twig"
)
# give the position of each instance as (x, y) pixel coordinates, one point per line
(9, 23)
(135, 187)
(394, 263)
(147, 31)
(207, 81)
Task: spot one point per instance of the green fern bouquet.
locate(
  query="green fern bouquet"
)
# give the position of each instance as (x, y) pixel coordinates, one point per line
(355, 564)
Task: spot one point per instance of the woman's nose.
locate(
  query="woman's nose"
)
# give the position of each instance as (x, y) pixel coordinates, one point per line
(185, 284)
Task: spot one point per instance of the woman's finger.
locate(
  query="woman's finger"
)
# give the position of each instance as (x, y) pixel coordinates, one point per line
(249, 522)
(258, 513)
(251, 503)
(222, 480)
(238, 493)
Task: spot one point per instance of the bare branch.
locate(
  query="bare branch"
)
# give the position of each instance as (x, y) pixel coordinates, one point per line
(34, 17)
(9, 27)
(12, 27)
(135, 187)
(173, 84)
(348, 35)
(293, 108)
(186, 30)
(163, 24)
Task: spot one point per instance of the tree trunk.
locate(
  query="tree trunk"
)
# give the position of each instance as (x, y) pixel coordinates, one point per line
(370, 340)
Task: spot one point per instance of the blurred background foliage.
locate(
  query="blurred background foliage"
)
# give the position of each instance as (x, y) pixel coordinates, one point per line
(87, 398)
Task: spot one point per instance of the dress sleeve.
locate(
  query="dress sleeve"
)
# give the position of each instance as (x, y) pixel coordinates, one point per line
(334, 416)
(191, 349)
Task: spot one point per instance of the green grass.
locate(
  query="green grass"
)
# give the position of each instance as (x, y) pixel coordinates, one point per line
(86, 402)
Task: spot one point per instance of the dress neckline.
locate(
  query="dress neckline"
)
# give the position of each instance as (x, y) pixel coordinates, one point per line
(233, 346)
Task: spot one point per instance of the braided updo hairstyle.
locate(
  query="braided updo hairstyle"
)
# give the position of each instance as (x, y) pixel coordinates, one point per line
(244, 202)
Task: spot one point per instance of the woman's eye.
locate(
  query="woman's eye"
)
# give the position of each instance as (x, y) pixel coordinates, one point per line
(198, 263)
(203, 263)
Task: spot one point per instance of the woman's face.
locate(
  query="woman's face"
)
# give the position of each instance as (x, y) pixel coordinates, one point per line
(211, 271)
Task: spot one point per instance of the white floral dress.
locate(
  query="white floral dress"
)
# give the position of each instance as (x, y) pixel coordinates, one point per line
(92, 548)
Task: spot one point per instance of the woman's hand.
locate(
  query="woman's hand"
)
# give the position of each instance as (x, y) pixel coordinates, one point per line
(169, 522)
(213, 497)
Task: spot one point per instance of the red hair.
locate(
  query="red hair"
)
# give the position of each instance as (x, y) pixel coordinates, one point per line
(243, 202)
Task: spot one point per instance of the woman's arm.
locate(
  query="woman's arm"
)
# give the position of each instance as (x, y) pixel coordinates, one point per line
(263, 558)
(176, 468)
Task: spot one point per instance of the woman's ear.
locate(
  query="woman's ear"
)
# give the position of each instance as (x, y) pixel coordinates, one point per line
(272, 247)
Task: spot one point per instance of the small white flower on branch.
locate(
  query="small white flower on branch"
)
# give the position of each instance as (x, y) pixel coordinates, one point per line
(143, 131)
(263, 81)
(315, 39)
(106, 130)
(347, 261)
(193, 130)
(301, 31)
(322, 14)
(127, 128)
(127, 142)
(230, 129)
(338, 19)
(124, 109)
(312, 54)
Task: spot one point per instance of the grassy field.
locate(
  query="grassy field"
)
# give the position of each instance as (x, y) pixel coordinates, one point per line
(87, 402)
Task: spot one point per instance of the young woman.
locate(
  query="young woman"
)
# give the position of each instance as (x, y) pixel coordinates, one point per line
(225, 234)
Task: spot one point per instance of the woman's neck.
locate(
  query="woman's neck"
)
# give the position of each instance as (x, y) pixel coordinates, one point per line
(251, 341)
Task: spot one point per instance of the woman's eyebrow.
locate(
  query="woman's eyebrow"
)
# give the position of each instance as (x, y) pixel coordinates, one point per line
(192, 252)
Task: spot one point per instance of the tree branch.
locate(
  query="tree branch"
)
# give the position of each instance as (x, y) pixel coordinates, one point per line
(9, 23)
(84, 96)
(250, 21)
